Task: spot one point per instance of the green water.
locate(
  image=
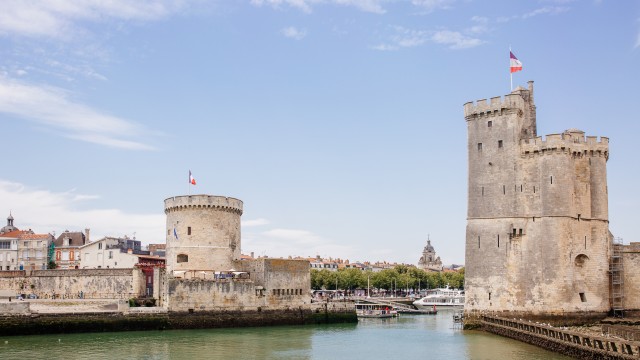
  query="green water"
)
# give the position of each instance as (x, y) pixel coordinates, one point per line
(407, 337)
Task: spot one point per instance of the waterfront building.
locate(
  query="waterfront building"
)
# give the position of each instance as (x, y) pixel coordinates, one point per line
(67, 252)
(111, 253)
(9, 246)
(23, 249)
(537, 237)
(33, 250)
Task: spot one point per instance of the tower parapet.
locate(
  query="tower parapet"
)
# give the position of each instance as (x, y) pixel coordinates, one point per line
(494, 107)
(571, 141)
(187, 202)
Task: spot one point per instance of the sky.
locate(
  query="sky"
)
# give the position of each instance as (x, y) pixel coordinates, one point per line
(338, 123)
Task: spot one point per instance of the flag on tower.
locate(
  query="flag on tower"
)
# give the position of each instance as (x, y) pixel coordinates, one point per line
(192, 181)
(515, 64)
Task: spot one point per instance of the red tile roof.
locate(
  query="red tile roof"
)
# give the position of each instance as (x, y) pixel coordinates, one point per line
(34, 236)
(15, 233)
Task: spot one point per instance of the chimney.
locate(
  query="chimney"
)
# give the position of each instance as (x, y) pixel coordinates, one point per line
(86, 236)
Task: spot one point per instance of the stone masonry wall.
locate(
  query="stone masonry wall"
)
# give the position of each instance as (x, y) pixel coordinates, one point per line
(631, 264)
(91, 283)
(272, 284)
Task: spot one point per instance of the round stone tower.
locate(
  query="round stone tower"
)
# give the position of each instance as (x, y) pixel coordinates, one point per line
(203, 232)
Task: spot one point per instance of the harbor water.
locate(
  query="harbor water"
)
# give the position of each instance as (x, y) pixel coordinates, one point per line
(405, 337)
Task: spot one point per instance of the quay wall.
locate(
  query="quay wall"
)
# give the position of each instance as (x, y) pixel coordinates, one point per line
(269, 284)
(72, 283)
(102, 322)
(567, 342)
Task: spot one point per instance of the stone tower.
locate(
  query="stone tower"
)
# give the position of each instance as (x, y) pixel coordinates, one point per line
(203, 232)
(537, 238)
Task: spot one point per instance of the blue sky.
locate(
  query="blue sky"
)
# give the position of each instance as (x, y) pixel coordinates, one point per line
(339, 123)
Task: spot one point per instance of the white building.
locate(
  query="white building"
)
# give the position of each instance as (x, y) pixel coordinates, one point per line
(23, 249)
(109, 253)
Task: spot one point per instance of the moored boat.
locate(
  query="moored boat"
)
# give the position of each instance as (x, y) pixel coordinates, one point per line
(375, 311)
(441, 297)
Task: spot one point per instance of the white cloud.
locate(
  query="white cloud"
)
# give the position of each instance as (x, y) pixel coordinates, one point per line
(45, 211)
(53, 107)
(481, 25)
(372, 6)
(547, 10)
(255, 222)
(550, 10)
(429, 6)
(384, 47)
(60, 19)
(455, 40)
(303, 5)
(293, 33)
(407, 38)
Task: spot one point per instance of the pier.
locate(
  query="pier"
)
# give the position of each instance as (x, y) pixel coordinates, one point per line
(565, 341)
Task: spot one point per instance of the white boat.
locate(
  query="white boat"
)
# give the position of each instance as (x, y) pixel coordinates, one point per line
(375, 311)
(441, 297)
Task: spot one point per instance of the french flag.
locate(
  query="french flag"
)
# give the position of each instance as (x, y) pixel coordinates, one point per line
(516, 65)
(192, 181)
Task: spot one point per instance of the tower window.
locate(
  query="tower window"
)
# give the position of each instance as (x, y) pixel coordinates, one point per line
(534, 189)
(499, 143)
(504, 189)
(182, 258)
(520, 232)
(479, 146)
(478, 241)
(483, 191)
(520, 187)
(498, 240)
(189, 230)
(583, 298)
(489, 123)
(551, 179)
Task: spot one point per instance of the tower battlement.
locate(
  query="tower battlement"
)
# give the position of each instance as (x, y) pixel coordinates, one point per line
(189, 202)
(571, 141)
(516, 100)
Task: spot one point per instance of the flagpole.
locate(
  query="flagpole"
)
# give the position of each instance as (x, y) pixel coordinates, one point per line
(510, 73)
(189, 184)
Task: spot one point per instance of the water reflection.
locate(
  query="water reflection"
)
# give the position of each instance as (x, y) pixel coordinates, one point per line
(409, 336)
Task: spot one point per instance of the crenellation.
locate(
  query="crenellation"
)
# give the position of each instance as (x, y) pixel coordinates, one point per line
(497, 105)
(568, 143)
